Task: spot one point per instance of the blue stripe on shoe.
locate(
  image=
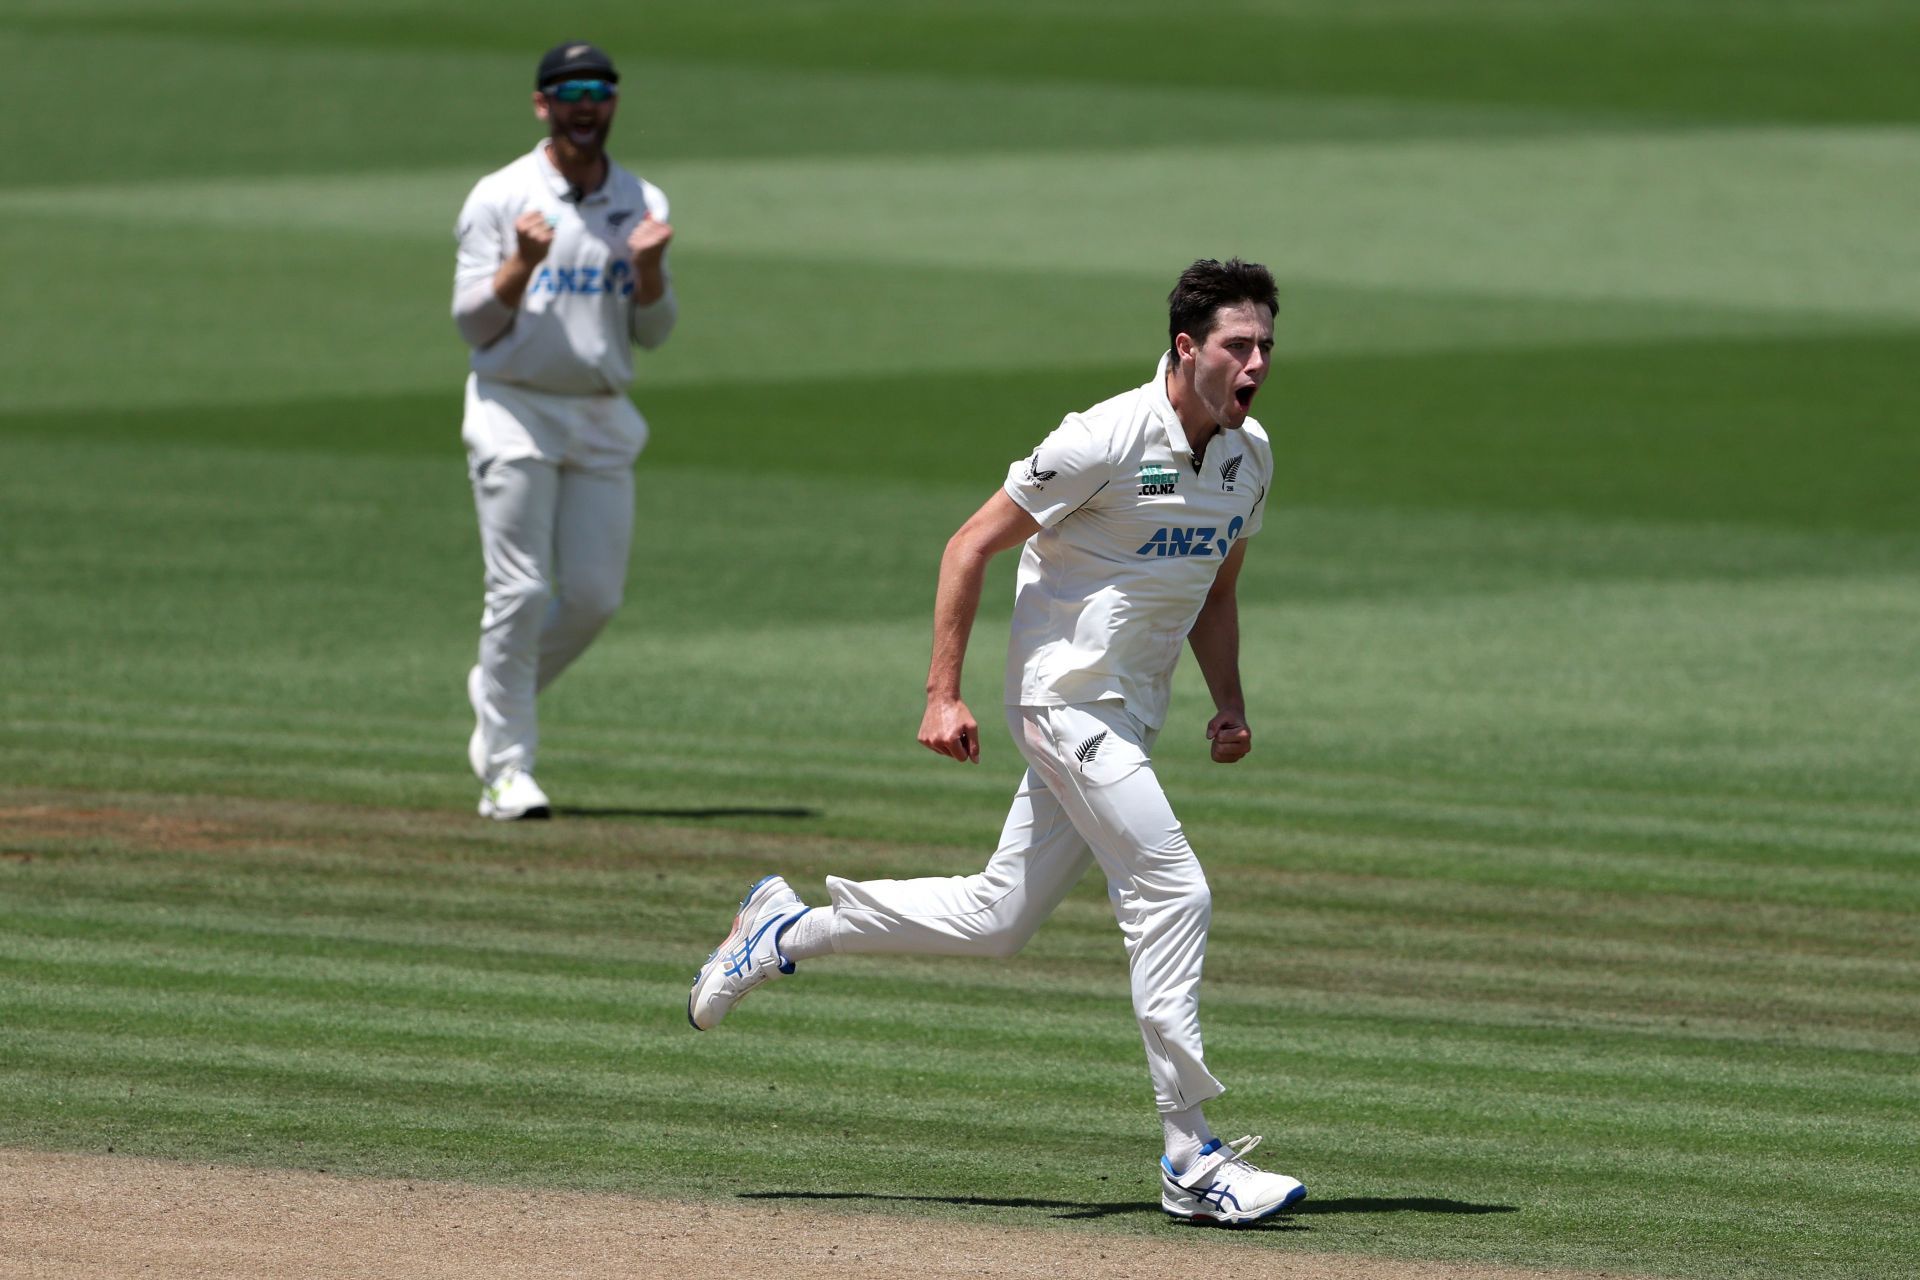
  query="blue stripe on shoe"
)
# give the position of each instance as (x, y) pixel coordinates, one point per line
(780, 957)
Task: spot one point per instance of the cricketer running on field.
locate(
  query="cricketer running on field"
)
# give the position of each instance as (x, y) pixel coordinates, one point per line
(1133, 519)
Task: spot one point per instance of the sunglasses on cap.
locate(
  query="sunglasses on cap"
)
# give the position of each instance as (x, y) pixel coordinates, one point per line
(575, 90)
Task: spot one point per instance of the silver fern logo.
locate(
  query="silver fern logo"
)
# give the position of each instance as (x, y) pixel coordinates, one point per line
(1230, 471)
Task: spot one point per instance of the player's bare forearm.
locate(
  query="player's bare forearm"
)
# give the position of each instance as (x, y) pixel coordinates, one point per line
(948, 727)
(956, 602)
(1215, 640)
(1215, 637)
(650, 284)
(532, 241)
(510, 281)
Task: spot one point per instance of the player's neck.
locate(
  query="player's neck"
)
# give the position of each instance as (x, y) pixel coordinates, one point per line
(1196, 423)
(584, 172)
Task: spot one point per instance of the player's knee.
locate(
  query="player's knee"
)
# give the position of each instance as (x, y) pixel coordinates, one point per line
(1007, 939)
(519, 595)
(591, 603)
(1195, 901)
(1171, 904)
(1005, 925)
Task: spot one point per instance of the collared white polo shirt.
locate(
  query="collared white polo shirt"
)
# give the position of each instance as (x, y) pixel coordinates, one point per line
(574, 330)
(1133, 535)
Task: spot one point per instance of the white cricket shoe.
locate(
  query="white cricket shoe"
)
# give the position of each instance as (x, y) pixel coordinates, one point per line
(477, 743)
(512, 796)
(1220, 1186)
(748, 956)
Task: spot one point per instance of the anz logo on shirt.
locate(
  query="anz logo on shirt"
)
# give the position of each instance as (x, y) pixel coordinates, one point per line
(616, 279)
(1170, 541)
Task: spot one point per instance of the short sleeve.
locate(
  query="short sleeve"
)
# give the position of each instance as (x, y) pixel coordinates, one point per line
(1063, 474)
(482, 247)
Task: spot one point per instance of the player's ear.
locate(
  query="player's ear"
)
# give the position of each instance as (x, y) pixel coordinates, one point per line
(539, 105)
(1182, 347)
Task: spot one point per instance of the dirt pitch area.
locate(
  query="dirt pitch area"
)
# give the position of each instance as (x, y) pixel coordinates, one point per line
(73, 1217)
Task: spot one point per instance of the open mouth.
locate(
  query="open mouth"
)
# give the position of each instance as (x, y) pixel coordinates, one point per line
(1244, 395)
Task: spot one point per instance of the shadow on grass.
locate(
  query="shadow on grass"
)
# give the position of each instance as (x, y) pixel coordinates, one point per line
(745, 811)
(1401, 1204)
(1066, 1208)
(1124, 1208)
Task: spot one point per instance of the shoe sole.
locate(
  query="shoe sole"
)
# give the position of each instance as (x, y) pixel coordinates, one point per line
(538, 813)
(739, 927)
(1294, 1197)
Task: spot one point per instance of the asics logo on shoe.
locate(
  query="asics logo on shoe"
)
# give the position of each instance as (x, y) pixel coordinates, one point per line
(1087, 750)
(1219, 1197)
(741, 960)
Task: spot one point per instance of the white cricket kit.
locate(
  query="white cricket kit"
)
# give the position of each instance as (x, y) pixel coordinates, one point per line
(551, 436)
(1134, 530)
(575, 329)
(1134, 534)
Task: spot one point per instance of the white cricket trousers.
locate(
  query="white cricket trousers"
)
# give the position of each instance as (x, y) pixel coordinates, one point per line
(554, 542)
(1089, 795)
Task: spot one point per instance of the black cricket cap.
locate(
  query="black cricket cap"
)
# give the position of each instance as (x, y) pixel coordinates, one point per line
(571, 59)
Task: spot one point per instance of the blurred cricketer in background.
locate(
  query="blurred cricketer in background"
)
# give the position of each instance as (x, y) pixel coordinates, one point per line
(1134, 517)
(561, 272)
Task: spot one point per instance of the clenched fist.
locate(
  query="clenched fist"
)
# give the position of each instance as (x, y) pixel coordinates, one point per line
(533, 236)
(648, 244)
(648, 241)
(1230, 736)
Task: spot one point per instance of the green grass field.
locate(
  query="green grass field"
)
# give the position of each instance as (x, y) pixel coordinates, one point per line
(1567, 913)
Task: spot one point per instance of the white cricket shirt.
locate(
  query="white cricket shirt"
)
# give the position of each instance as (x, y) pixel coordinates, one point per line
(575, 328)
(1133, 535)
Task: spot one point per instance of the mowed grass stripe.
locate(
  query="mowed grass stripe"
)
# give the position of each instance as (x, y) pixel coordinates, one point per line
(1431, 958)
(1431, 955)
(1633, 820)
(1271, 846)
(655, 995)
(1786, 867)
(591, 1015)
(1381, 882)
(1735, 217)
(1729, 822)
(1644, 1090)
(148, 81)
(632, 899)
(1499, 1113)
(581, 912)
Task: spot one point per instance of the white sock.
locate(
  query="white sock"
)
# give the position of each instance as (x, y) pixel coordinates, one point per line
(1187, 1132)
(809, 936)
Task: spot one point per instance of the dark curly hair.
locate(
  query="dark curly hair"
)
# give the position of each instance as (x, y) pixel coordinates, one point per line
(1209, 285)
